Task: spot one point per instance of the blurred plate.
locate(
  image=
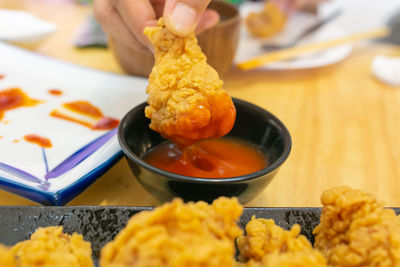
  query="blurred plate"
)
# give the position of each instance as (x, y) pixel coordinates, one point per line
(79, 155)
(22, 28)
(100, 225)
(250, 47)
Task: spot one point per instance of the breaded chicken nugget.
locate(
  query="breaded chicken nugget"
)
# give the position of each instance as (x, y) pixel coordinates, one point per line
(186, 100)
(266, 23)
(7, 258)
(267, 244)
(178, 235)
(356, 230)
(50, 247)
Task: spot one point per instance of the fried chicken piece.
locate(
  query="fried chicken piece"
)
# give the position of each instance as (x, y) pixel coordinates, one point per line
(186, 100)
(177, 234)
(266, 23)
(49, 247)
(267, 244)
(355, 230)
(7, 258)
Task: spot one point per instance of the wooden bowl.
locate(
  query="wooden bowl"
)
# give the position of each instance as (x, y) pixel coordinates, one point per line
(219, 43)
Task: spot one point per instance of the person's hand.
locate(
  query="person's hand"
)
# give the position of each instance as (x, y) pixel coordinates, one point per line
(290, 6)
(125, 20)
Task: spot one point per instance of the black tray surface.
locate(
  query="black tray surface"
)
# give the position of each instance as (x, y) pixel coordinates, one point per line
(99, 225)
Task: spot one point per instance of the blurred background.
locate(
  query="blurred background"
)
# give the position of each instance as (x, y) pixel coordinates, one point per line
(75, 36)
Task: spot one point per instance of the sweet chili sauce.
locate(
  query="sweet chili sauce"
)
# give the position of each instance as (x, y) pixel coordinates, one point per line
(14, 98)
(39, 140)
(97, 121)
(213, 158)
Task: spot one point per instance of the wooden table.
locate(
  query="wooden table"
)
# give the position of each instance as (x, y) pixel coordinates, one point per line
(345, 124)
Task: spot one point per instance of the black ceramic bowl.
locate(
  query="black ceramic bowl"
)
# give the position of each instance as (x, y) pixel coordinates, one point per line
(252, 124)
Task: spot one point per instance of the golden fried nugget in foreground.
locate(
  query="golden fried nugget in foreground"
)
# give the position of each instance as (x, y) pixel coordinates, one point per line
(186, 100)
(266, 23)
(50, 247)
(356, 230)
(6, 257)
(267, 244)
(178, 234)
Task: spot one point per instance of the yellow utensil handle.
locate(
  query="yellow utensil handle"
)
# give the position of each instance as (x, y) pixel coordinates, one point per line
(313, 47)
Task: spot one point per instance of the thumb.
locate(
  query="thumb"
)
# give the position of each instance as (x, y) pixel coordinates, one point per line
(182, 16)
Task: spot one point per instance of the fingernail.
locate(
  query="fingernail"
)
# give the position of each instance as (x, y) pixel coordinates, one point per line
(183, 18)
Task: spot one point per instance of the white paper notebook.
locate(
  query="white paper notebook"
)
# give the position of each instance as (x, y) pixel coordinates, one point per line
(79, 154)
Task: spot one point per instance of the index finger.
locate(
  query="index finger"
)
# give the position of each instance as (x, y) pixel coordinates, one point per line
(137, 15)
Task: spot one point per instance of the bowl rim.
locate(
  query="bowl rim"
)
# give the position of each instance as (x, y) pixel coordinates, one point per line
(229, 180)
(227, 21)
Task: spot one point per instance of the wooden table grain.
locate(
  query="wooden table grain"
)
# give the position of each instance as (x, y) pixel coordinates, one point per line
(345, 124)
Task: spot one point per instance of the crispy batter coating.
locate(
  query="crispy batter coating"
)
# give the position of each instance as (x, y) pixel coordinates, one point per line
(177, 234)
(355, 230)
(266, 23)
(49, 247)
(186, 100)
(6, 257)
(267, 244)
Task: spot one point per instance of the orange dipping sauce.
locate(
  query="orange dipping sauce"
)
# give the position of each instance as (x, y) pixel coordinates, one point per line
(213, 158)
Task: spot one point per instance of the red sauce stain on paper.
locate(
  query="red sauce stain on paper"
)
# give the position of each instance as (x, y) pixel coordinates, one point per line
(14, 98)
(38, 140)
(86, 114)
(56, 92)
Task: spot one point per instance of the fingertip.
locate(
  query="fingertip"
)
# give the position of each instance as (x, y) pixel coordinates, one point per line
(144, 39)
(212, 18)
(208, 20)
(180, 19)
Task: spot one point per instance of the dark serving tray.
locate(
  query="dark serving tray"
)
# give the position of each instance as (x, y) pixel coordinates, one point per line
(99, 225)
